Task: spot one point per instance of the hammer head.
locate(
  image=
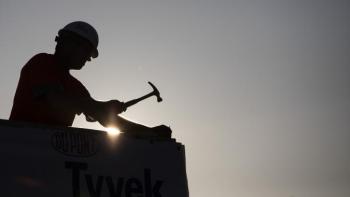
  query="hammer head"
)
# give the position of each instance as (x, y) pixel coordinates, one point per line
(155, 92)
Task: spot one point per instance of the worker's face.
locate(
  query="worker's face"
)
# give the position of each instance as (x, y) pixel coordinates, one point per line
(77, 51)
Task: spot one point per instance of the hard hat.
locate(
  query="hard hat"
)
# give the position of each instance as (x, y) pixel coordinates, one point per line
(85, 31)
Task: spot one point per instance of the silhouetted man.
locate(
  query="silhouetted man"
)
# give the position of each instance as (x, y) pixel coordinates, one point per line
(47, 93)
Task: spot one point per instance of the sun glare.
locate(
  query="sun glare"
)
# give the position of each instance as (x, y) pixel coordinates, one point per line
(112, 131)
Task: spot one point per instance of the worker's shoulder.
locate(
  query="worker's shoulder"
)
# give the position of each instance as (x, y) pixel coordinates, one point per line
(38, 61)
(42, 59)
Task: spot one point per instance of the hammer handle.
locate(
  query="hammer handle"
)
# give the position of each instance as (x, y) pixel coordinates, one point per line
(134, 101)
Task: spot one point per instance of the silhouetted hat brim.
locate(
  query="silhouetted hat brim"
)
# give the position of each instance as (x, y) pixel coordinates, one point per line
(94, 53)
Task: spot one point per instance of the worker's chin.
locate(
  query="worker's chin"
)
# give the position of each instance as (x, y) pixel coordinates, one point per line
(77, 66)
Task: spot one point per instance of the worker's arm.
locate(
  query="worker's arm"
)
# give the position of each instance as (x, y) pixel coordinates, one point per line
(94, 110)
(105, 112)
(53, 95)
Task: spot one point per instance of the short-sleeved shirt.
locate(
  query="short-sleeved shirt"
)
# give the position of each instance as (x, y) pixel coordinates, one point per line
(39, 76)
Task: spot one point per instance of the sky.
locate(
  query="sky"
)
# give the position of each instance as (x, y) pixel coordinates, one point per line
(258, 91)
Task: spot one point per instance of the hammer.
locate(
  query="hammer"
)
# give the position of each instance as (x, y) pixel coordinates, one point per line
(155, 92)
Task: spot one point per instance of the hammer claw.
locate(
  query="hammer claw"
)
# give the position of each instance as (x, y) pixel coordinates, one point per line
(155, 92)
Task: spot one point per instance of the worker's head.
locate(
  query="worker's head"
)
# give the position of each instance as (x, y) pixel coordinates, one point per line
(76, 43)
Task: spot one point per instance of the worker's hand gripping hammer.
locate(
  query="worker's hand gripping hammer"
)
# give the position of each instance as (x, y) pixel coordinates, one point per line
(155, 92)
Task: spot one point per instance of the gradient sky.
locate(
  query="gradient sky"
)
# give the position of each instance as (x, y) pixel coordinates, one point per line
(257, 90)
